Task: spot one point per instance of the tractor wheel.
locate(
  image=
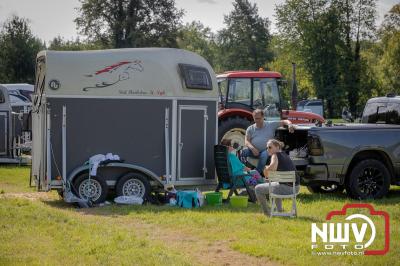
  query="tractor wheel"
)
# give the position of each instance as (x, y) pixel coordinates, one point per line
(233, 128)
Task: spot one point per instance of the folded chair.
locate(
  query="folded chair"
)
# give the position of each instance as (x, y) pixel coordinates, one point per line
(285, 177)
(225, 176)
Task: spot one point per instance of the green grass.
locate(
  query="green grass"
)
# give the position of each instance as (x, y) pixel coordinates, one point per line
(52, 232)
(14, 179)
(337, 120)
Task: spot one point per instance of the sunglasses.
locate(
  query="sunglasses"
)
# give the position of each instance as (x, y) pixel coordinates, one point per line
(269, 147)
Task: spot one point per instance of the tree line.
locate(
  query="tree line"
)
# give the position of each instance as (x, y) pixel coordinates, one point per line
(342, 56)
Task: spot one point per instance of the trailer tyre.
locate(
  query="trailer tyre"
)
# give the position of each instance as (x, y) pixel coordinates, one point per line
(95, 189)
(133, 184)
(233, 128)
(368, 179)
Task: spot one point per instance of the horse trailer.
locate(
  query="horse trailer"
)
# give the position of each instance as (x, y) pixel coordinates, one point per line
(156, 108)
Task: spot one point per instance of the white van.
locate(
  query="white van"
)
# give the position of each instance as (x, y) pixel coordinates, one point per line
(315, 106)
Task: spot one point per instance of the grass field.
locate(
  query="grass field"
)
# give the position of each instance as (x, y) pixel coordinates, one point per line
(39, 229)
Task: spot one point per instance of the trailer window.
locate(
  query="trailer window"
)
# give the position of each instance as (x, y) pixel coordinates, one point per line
(196, 77)
(16, 99)
(2, 99)
(27, 94)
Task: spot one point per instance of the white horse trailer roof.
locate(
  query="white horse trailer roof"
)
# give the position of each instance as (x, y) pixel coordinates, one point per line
(127, 72)
(19, 86)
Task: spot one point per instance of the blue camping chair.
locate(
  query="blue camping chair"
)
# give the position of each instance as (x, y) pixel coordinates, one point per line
(225, 177)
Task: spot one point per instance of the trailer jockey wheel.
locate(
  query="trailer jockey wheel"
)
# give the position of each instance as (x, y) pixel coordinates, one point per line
(133, 184)
(95, 188)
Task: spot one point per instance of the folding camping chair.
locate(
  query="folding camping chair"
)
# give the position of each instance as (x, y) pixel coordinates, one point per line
(225, 176)
(286, 177)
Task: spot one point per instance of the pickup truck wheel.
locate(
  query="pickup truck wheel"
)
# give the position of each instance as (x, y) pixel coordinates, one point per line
(325, 188)
(368, 179)
(95, 188)
(133, 184)
(233, 128)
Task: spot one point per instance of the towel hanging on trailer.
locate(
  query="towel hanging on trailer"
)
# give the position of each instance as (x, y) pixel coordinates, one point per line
(95, 161)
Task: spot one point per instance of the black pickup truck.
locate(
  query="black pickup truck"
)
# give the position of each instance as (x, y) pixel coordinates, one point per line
(363, 158)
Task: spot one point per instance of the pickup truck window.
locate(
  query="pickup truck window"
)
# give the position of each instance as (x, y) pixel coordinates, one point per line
(393, 114)
(374, 113)
(381, 117)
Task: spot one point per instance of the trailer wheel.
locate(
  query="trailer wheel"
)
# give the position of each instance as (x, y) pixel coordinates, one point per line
(334, 188)
(95, 189)
(133, 184)
(233, 128)
(368, 179)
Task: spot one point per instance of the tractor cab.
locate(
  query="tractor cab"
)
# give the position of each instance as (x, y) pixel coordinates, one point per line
(241, 92)
(249, 90)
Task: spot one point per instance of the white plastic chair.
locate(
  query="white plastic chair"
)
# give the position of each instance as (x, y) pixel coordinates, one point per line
(285, 177)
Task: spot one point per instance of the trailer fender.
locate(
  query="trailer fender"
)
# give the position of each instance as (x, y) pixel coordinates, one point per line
(136, 168)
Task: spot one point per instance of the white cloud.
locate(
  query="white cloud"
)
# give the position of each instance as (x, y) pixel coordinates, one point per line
(207, 1)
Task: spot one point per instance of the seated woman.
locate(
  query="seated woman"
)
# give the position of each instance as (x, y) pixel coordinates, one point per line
(238, 168)
(280, 161)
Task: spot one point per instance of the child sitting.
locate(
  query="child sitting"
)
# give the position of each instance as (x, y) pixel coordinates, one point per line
(252, 177)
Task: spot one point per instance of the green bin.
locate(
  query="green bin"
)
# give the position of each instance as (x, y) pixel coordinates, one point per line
(238, 201)
(213, 198)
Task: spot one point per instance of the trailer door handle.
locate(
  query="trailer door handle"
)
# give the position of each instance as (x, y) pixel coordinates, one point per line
(181, 145)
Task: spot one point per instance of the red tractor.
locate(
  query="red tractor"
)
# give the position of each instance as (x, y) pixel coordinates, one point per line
(243, 91)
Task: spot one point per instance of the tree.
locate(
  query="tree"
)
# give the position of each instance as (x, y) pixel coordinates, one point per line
(357, 24)
(18, 50)
(59, 44)
(389, 64)
(285, 53)
(329, 35)
(245, 40)
(197, 38)
(312, 30)
(130, 23)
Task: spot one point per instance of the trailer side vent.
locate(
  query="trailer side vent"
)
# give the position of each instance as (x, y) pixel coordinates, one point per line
(196, 77)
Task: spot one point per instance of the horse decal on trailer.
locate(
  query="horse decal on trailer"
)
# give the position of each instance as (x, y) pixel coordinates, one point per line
(113, 74)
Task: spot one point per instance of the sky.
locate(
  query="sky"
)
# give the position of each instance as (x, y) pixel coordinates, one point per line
(51, 18)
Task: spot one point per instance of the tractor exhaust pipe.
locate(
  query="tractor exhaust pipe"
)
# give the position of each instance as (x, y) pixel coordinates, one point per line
(294, 87)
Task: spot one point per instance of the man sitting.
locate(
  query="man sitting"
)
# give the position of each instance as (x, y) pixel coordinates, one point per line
(258, 134)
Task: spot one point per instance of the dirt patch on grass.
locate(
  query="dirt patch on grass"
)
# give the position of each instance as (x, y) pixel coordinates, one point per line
(30, 195)
(197, 249)
(201, 251)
